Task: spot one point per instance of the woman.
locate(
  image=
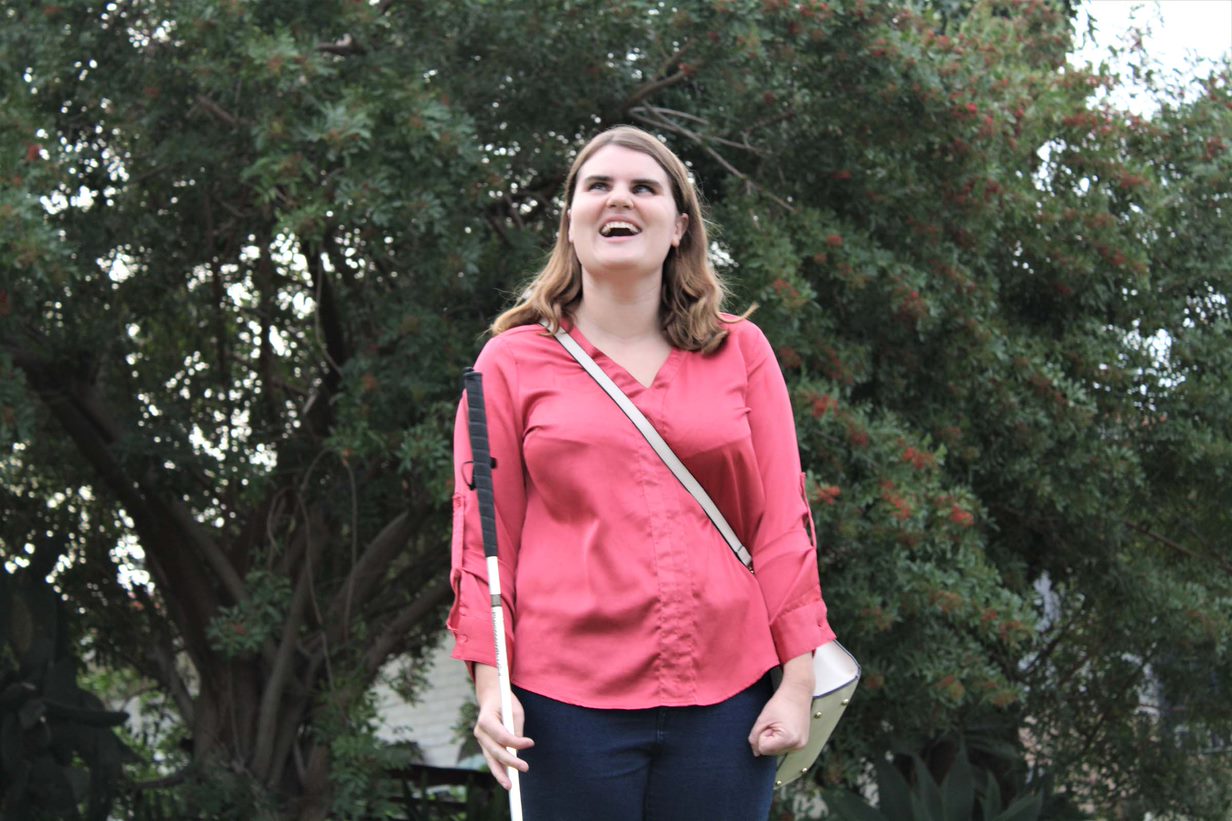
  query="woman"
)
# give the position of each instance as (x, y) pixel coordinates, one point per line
(639, 644)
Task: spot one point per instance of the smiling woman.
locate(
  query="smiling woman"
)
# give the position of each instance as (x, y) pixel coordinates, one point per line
(640, 646)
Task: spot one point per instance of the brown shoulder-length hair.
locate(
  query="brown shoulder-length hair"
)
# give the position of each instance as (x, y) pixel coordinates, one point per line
(692, 293)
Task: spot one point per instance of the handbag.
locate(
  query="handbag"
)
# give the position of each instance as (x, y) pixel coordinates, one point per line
(836, 672)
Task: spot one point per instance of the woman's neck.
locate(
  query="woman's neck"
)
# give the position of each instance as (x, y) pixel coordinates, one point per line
(625, 311)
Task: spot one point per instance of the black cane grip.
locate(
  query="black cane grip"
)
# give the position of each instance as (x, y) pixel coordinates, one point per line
(477, 427)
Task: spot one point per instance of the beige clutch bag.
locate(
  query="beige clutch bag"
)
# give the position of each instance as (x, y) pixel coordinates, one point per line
(837, 673)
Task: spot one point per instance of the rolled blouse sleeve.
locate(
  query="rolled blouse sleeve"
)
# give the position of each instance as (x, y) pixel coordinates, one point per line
(783, 542)
(470, 618)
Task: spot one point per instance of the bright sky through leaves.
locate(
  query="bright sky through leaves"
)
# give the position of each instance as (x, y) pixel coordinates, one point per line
(1177, 32)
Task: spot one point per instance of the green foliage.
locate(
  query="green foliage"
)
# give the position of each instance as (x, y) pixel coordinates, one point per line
(246, 249)
(243, 629)
(360, 761)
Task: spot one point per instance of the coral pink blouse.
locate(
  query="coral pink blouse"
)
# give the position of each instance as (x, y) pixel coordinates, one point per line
(618, 591)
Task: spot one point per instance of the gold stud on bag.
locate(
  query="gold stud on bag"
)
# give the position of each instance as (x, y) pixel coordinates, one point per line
(835, 671)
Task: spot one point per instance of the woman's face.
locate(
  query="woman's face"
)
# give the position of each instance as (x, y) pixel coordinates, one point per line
(623, 216)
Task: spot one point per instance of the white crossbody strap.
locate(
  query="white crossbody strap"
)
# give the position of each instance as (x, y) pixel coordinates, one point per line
(660, 447)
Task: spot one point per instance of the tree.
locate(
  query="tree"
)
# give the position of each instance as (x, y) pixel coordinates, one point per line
(248, 249)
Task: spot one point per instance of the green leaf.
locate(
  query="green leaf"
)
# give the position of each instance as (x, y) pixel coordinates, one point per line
(850, 807)
(1025, 808)
(991, 803)
(927, 791)
(958, 788)
(893, 792)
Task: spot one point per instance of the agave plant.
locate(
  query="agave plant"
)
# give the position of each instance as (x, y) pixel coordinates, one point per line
(956, 798)
(57, 749)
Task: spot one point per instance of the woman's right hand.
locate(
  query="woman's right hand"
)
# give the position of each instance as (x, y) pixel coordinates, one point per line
(494, 739)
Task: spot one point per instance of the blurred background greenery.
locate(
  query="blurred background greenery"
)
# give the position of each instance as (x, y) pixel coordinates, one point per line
(247, 248)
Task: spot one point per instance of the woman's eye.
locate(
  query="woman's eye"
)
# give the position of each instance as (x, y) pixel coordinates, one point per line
(636, 188)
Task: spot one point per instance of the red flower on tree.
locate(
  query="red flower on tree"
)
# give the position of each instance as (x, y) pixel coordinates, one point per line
(828, 494)
(822, 405)
(919, 459)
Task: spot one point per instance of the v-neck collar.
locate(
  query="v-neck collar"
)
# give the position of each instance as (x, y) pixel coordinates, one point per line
(627, 381)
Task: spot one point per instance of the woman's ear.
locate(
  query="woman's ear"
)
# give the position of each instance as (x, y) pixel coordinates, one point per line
(682, 225)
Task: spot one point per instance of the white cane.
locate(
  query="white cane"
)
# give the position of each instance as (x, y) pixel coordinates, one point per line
(477, 424)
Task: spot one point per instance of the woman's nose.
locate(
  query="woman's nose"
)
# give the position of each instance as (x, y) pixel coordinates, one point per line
(618, 196)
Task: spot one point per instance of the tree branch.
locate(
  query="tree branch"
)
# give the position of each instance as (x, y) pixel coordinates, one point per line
(369, 570)
(661, 80)
(175, 779)
(1046, 652)
(647, 115)
(1179, 548)
(509, 206)
(163, 657)
(285, 749)
(217, 111)
(159, 654)
(265, 315)
(495, 222)
(175, 510)
(394, 636)
(344, 46)
(279, 676)
(331, 341)
(163, 525)
(786, 114)
(94, 436)
(350, 585)
(672, 113)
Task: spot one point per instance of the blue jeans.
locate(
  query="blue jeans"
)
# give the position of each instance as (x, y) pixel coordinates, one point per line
(657, 764)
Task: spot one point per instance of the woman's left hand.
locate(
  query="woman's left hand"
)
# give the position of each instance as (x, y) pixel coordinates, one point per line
(783, 725)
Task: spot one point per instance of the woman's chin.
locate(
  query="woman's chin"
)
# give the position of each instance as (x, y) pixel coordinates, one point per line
(623, 264)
